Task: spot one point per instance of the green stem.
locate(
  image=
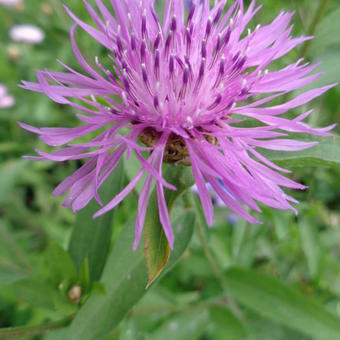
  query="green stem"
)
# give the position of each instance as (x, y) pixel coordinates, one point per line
(212, 262)
(317, 18)
(207, 253)
(16, 332)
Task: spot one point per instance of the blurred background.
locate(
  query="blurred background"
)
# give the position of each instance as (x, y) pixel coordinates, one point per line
(302, 251)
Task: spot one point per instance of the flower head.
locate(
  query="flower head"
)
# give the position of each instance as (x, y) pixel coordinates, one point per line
(185, 84)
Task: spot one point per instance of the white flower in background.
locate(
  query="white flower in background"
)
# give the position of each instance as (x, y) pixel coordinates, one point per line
(27, 33)
(6, 101)
(11, 3)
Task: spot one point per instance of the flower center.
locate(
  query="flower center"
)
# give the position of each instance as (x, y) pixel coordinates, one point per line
(176, 151)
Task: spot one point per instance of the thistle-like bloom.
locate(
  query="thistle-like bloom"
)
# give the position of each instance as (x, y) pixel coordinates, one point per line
(185, 85)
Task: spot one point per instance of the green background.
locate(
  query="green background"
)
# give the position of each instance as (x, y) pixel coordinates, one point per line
(279, 280)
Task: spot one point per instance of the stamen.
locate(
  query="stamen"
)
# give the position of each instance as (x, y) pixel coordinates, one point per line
(185, 81)
(241, 63)
(218, 43)
(227, 37)
(133, 42)
(173, 25)
(186, 75)
(157, 41)
(168, 43)
(218, 16)
(244, 88)
(191, 14)
(220, 73)
(156, 102)
(200, 75)
(144, 31)
(120, 45)
(126, 81)
(187, 61)
(171, 66)
(208, 28)
(142, 50)
(180, 62)
(157, 64)
(188, 40)
(215, 103)
(145, 78)
(204, 49)
(236, 56)
(144, 74)
(125, 66)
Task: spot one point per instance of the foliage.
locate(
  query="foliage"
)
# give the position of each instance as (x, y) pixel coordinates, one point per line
(79, 279)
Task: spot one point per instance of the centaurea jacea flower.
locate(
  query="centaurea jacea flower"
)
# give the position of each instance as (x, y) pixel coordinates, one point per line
(185, 83)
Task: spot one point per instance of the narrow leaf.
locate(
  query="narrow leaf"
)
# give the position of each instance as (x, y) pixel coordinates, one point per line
(157, 249)
(91, 238)
(225, 325)
(280, 303)
(310, 245)
(124, 280)
(185, 326)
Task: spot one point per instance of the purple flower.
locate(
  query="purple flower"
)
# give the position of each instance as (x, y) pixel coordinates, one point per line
(185, 84)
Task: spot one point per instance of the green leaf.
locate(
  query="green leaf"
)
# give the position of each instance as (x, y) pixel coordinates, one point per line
(36, 293)
(9, 274)
(157, 249)
(325, 37)
(262, 329)
(225, 325)
(92, 238)
(9, 174)
(326, 153)
(130, 332)
(310, 245)
(84, 275)
(280, 303)
(60, 265)
(183, 227)
(184, 326)
(124, 280)
(330, 68)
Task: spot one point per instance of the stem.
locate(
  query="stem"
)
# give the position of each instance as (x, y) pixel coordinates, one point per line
(209, 256)
(213, 264)
(16, 332)
(317, 18)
